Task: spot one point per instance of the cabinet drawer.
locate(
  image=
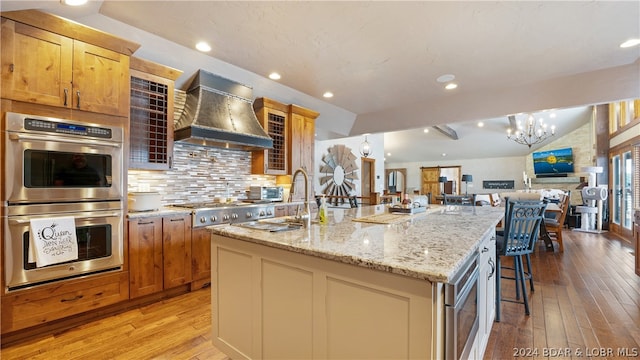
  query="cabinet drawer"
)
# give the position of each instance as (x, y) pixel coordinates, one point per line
(33, 307)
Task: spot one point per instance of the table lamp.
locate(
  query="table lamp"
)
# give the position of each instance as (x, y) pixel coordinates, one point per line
(466, 178)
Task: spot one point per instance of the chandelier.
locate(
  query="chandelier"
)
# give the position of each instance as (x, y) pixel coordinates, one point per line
(532, 132)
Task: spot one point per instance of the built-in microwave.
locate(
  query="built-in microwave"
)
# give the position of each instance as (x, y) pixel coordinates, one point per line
(266, 193)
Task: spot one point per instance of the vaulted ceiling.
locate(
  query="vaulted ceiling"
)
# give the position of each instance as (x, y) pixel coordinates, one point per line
(381, 59)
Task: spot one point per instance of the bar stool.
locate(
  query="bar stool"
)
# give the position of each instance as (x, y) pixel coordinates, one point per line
(521, 228)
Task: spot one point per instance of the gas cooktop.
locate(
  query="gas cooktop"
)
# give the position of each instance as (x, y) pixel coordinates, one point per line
(210, 213)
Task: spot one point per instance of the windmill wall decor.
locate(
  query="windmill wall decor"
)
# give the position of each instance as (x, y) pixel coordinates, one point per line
(340, 172)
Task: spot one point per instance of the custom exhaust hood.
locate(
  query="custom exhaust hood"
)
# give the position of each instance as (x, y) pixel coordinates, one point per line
(218, 112)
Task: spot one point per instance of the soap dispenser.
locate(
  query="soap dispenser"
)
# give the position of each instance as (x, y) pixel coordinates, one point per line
(322, 211)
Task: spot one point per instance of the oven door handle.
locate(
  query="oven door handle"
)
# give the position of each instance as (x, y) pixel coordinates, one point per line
(65, 140)
(114, 214)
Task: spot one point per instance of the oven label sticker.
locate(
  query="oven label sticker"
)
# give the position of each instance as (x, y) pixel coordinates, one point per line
(52, 241)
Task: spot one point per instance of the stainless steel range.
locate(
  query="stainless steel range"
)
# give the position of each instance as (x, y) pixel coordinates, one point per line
(207, 214)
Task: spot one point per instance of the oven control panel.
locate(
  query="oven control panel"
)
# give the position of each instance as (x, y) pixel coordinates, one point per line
(66, 128)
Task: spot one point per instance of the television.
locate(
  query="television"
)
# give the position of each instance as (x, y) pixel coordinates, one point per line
(553, 162)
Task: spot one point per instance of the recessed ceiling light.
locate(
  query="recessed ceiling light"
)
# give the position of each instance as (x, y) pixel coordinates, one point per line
(74, 2)
(444, 154)
(426, 130)
(274, 76)
(451, 86)
(445, 78)
(630, 43)
(480, 124)
(388, 154)
(203, 46)
(328, 94)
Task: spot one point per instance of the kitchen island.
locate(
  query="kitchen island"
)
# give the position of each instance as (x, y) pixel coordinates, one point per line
(351, 288)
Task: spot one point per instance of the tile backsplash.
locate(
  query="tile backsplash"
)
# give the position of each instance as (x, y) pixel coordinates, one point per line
(200, 174)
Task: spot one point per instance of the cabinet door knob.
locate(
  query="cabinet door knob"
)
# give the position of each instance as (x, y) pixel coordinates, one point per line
(78, 95)
(66, 95)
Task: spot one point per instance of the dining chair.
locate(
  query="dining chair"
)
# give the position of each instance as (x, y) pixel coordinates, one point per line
(495, 199)
(522, 225)
(555, 224)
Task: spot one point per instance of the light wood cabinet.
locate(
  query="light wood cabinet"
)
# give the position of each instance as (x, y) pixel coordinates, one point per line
(200, 258)
(152, 101)
(145, 256)
(46, 303)
(176, 250)
(44, 62)
(301, 148)
(159, 253)
(274, 118)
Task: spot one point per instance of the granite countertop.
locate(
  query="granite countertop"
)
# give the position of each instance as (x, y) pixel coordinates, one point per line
(431, 245)
(163, 211)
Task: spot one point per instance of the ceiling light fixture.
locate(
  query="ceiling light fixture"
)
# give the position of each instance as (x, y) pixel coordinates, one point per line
(328, 94)
(451, 86)
(629, 43)
(203, 46)
(274, 76)
(365, 148)
(74, 2)
(426, 130)
(533, 132)
(445, 78)
(480, 124)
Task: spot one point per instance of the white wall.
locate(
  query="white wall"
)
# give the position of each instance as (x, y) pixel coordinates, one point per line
(377, 153)
(506, 168)
(580, 140)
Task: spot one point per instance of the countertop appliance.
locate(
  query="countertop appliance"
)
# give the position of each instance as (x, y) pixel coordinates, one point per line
(207, 214)
(268, 193)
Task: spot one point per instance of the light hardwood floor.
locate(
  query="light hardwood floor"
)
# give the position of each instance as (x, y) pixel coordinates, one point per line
(586, 299)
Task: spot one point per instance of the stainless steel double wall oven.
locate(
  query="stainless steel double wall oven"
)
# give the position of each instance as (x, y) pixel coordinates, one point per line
(56, 167)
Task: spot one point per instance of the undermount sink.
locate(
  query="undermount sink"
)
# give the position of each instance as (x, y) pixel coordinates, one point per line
(271, 225)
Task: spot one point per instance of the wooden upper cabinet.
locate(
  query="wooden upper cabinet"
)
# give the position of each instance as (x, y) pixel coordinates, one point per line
(302, 138)
(151, 116)
(274, 118)
(52, 61)
(100, 80)
(45, 78)
(302, 148)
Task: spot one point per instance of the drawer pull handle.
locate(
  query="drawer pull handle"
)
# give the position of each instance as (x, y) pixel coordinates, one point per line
(77, 297)
(485, 249)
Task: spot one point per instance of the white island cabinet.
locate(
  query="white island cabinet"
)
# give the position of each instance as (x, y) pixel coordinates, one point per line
(343, 290)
